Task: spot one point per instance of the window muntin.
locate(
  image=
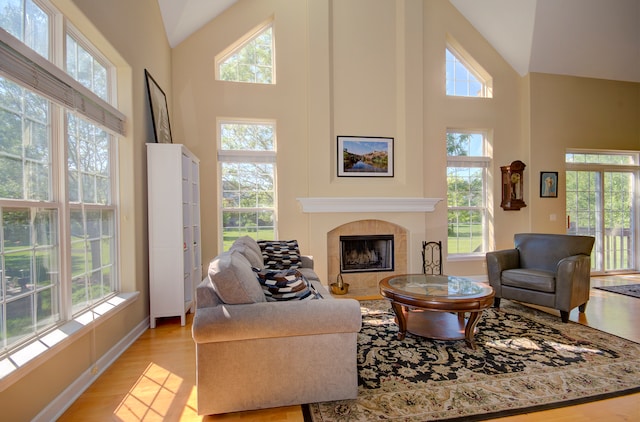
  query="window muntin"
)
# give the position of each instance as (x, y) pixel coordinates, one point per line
(37, 293)
(467, 165)
(251, 60)
(247, 168)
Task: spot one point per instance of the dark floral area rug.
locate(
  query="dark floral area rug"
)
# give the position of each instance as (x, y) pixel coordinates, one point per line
(627, 289)
(525, 361)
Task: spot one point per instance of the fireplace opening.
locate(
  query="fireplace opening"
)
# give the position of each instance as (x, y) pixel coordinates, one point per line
(366, 253)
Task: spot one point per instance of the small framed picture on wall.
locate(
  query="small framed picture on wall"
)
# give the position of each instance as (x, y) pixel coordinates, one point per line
(548, 184)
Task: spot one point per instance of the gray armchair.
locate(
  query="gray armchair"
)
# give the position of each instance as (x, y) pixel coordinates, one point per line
(552, 270)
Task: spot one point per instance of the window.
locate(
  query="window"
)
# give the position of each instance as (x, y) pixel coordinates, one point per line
(58, 226)
(252, 59)
(86, 68)
(28, 22)
(467, 163)
(601, 192)
(247, 156)
(92, 216)
(465, 77)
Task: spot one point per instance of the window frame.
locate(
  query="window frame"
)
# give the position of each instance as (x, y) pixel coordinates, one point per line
(484, 164)
(246, 156)
(27, 351)
(241, 43)
(472, 66)
(592, 162)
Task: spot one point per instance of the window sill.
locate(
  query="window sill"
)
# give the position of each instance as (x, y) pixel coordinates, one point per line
(22, 361)
(466, 257)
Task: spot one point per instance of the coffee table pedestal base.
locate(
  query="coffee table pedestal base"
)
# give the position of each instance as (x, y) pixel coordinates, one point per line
(437, 325)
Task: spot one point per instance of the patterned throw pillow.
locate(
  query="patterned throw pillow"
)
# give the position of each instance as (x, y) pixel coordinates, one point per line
(280, 254)
(286, 285)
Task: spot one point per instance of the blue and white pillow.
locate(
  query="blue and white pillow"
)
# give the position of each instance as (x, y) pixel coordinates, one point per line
(286, 285)
(280, 254)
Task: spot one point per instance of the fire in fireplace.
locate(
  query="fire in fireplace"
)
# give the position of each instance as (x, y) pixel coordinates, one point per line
(366, 253)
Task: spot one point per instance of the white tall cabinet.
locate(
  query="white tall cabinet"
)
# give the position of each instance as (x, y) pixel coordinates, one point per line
(175, 258)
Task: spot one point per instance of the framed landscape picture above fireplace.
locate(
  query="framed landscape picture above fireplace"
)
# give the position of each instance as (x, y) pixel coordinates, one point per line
(365, 156)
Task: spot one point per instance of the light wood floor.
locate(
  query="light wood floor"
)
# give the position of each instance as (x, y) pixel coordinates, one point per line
(154, 380)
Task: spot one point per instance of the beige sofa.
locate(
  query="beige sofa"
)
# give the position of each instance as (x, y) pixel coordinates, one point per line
(252, 353)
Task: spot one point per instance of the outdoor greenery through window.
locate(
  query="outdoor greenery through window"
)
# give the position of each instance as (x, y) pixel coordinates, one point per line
(467, 164)
(247, 157)
(250, 61)
(40, 141)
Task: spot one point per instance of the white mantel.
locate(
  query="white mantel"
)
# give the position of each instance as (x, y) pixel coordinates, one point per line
(387, 204)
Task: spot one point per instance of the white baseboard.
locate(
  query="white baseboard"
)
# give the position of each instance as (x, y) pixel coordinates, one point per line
(61, 403)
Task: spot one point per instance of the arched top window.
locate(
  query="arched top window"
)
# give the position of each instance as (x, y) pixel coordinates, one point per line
(250, 59)
(465, 77)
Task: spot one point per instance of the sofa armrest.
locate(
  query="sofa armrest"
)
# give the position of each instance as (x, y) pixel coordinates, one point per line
(205, 295)
(498, 261)
(276, 319)
(306, 261)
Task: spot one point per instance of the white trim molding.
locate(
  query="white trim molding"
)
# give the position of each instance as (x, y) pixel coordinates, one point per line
(387, 204)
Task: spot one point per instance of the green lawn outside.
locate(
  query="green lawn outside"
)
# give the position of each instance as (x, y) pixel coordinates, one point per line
(230, 236)
(467, 239)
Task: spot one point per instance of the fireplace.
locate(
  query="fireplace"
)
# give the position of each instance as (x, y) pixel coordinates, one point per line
(366, 253)
(359, 280)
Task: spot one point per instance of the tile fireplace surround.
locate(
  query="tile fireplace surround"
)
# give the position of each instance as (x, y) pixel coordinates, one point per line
(366, 280)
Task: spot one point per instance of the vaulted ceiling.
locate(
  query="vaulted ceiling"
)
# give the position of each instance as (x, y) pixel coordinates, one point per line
(589, 38)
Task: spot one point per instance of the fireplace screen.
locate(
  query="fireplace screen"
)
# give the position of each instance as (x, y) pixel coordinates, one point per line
(366, 253)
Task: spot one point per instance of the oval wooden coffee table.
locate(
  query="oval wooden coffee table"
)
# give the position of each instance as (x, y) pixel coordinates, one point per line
(435, 306)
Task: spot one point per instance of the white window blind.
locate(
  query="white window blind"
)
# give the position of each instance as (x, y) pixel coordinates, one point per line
(24, 66)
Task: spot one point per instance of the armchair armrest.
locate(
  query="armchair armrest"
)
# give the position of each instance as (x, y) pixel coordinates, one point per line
(272, 319)
(498, 261)
(573, 281)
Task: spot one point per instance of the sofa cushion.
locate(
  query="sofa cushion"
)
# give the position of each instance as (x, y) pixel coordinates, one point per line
(234, 280)
(539, 280)
(255, 259)
(286, 285)
(249, 242)
(280, 254)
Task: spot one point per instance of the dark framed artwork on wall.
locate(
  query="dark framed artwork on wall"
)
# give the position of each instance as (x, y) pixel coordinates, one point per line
(548, 184)
(159, 110)
(365, 156)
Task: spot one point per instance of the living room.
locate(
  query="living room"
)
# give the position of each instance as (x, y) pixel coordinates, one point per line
(356, 68)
